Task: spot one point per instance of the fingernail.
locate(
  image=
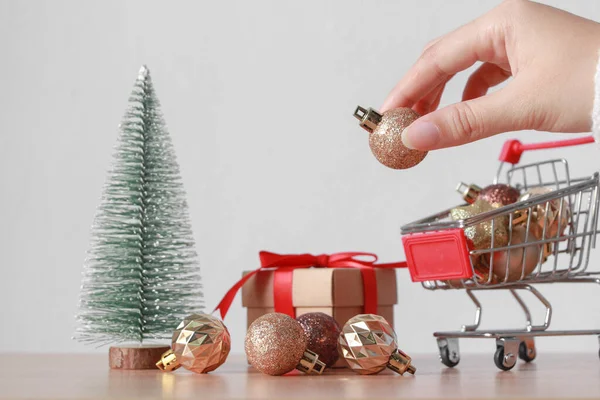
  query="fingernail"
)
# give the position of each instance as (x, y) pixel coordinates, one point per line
(421, 135)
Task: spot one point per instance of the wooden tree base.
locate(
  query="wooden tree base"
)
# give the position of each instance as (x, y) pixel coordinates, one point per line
(135, 356)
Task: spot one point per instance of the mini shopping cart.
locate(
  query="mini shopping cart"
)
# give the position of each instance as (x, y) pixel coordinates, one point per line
(441, 258)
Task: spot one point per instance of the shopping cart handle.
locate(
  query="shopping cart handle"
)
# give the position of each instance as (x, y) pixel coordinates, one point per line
(512, 149)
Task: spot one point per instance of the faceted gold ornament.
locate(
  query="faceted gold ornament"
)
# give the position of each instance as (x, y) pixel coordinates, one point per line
(368, 344)
(201, 343)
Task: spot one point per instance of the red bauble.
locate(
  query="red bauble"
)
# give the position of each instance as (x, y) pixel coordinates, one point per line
(322, 333)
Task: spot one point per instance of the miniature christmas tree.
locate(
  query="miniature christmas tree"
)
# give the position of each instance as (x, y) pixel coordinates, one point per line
(141, 276)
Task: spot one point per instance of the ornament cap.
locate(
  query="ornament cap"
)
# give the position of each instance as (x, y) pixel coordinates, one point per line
(168, 362)
(400, 363)
(369, 118)
(468, 192)
(309, 363)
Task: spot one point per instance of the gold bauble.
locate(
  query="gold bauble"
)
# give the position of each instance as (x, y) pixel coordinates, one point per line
(480, 235)
(520, 261)
(368, 344)
(201, 343)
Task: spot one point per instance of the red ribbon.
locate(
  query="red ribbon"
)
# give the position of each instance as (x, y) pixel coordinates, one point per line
(285, 264)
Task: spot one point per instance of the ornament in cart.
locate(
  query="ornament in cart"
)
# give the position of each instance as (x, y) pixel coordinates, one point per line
(385, 136)
(322, 333)
(369, 345)
(554, 215)
(276, 344)
(437, 250)
(518, 262)
(497, 195)
(201, 343)
(481, 234)
(141, 276)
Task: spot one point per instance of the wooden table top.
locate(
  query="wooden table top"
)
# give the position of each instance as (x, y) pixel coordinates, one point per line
(88, 377)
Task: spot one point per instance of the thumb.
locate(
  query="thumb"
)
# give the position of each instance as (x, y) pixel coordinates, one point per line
(466, 122)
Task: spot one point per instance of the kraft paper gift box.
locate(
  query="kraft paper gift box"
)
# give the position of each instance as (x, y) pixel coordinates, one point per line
(334, 291)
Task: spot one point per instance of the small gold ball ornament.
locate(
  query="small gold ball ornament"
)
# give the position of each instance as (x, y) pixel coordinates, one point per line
(385, 136)
(369, 345)
(201, 343)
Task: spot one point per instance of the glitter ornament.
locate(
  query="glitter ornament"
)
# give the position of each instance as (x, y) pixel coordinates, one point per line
(497, 195)
(481, 234)
(322, 332)
(385, 136)
(369, 345)
(276, 344)
(201, 343)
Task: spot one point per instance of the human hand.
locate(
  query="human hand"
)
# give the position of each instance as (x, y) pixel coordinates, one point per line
(551, 55)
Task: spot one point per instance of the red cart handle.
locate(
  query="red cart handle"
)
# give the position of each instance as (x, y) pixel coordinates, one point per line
(512, 149)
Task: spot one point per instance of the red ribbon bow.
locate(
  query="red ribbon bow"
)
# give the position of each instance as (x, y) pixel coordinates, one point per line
(285, 265)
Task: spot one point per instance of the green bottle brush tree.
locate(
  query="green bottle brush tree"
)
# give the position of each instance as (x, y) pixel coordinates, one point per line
(141, 276)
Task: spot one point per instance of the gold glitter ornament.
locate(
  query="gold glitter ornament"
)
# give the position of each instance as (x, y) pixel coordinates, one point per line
(275, 344)
(385, 136)
(201, 343)
(322, 332)
(480, 235)
(369, 345)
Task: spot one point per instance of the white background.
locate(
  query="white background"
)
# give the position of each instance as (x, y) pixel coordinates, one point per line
(258, 97)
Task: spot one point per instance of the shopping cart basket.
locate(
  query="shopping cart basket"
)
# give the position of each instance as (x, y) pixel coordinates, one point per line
(440, 256)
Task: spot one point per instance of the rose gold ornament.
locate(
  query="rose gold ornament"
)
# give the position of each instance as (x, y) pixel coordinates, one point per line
(385, 136)
(322, 332)
(517, 263)
(369, 345)
(481, 234)
(275, 345)
(497, 195)
(201, 343)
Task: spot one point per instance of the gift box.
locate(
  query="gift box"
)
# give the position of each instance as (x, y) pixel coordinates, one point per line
(338, 292)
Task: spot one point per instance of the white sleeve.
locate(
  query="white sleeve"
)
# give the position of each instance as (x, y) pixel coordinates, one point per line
(596, 109)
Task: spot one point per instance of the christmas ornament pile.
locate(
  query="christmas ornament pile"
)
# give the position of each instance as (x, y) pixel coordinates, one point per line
(276, 344)
(524, 238)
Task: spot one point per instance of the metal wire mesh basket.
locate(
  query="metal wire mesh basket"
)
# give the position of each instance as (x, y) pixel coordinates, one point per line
(546, 237)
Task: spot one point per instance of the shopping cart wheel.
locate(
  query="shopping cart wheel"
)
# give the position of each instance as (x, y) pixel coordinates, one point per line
(527, 351)
(507, 350)
(449, 353)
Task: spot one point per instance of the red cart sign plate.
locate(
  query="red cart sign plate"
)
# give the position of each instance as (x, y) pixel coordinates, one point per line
(440, 255)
